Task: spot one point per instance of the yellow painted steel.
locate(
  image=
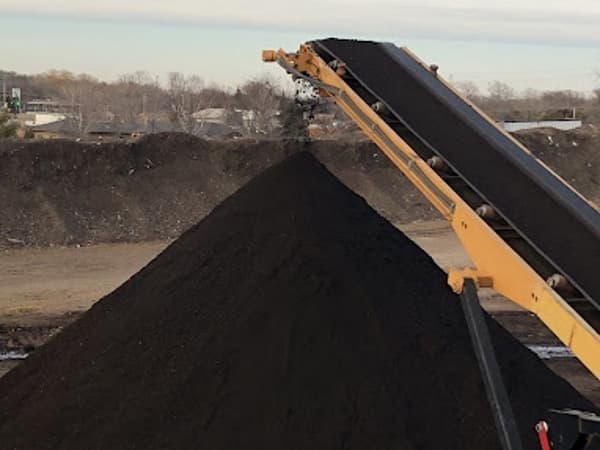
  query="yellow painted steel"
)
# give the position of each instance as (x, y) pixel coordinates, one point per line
(496, 264)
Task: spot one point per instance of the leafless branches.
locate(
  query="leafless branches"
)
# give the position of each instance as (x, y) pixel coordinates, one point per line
(263, 100)
(187, 96)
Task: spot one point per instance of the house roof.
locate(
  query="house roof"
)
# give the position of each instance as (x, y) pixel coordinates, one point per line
(214, 114)
(59, 126)
(71, 125)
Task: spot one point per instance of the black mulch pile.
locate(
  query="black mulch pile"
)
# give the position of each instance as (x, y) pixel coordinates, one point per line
(292, 317)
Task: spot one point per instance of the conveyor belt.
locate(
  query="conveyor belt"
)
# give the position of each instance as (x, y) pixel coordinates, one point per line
(562, 227)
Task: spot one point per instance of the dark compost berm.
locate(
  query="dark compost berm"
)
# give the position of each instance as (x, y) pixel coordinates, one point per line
(292, 317)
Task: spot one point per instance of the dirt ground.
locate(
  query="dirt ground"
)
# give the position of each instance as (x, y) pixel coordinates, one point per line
(44, 290)
(43, 284)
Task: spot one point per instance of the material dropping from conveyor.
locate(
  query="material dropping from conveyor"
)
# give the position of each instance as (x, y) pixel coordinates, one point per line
(293, 316)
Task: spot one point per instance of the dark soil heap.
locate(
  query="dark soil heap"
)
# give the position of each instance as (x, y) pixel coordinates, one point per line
(292, 317)
(56, 192)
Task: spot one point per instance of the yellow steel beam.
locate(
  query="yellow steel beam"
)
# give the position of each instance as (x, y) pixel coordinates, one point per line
(496, 264)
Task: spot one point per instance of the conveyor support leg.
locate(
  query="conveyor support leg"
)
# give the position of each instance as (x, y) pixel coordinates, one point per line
(490, 371)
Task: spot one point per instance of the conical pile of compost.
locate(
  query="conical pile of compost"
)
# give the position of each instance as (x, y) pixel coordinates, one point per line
(292, 317)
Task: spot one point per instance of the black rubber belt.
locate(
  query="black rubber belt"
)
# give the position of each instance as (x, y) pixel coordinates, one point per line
(548, 214)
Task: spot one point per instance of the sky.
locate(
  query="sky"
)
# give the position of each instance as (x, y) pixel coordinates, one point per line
(540, 44)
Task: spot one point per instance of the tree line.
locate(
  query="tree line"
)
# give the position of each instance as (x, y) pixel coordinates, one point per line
(140, 97)
(503, 102)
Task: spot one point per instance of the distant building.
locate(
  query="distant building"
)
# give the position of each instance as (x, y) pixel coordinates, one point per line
(53, 130)
(69, 128)
(211, 115)
(49, 106)
(512, 126)
(235, 118)
(42, 118)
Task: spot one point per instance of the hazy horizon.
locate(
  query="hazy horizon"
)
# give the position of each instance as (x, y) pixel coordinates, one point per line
(552, 47)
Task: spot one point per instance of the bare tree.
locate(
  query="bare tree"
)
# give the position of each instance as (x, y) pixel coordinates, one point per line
(263, 100)
(186, 97)
(595, 108)
(136, 96)
(500, 91)
(469, 89)
(84, 98)
(561, 99)
(139, 77)
(500, 99)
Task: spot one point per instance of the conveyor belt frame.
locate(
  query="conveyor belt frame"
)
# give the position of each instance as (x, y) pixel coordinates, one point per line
(497, 265)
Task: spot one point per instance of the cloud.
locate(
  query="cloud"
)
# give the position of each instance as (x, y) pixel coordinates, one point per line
(551, 21)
